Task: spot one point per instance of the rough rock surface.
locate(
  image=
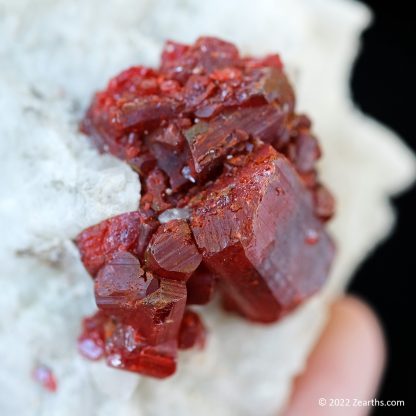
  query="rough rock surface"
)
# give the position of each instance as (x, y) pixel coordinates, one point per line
(51, 173)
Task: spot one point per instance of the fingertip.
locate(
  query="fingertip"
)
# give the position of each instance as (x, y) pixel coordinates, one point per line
(346, 363)
(352, 311)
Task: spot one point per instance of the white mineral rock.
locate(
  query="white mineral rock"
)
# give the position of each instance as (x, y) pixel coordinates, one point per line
(53, 55)
(174, 214)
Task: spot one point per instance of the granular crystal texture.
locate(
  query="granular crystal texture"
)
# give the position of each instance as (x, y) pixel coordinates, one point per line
(230, 202)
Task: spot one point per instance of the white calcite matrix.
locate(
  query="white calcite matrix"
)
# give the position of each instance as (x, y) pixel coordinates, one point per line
(53, 55)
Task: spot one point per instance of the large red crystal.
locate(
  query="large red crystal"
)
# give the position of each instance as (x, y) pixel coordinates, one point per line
(230, 202)
(125, 348)
(253, 228)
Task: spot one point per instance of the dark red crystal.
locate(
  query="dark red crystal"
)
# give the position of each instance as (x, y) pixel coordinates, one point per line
(231, 201)
(201, 286)
(121, 284)
(192, 331)
(126, 349)
(129, 232)
(252, 229)
(154, 308)
(172, 253)
(44, 375)
(91, 342)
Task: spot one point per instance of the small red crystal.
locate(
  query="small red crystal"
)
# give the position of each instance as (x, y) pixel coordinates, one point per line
(121, 284)
(91, 341)
(201, 286)
(43, 375)
(171, 152)
(191, 332)
(126, 232)
(230, 201)
(159, 314)
(154, 307)
(172, 253)
(127, 350)
(324, 203)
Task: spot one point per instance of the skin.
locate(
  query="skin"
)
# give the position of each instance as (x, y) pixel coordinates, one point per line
(347, 363)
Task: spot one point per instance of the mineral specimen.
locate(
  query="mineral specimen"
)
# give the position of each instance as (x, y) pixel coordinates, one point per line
(231, 202)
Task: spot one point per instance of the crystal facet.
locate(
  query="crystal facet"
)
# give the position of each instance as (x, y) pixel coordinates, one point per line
(191, 332)
(121, 284)
(126, 232)
(251, 228)
(172, 253)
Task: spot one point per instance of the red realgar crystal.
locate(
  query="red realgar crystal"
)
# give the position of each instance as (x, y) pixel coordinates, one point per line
(231, 202)
(191, 332)
(172, 253)
(252, 230)
(45, 377)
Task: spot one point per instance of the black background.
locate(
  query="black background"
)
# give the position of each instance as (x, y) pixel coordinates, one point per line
(383, 87)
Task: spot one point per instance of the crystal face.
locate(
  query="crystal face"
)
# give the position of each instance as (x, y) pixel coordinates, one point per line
(91, 342)
(172, 252)
(129, 232)
(253, 227)
(191, 332)
(231, 203)
(121, 284)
